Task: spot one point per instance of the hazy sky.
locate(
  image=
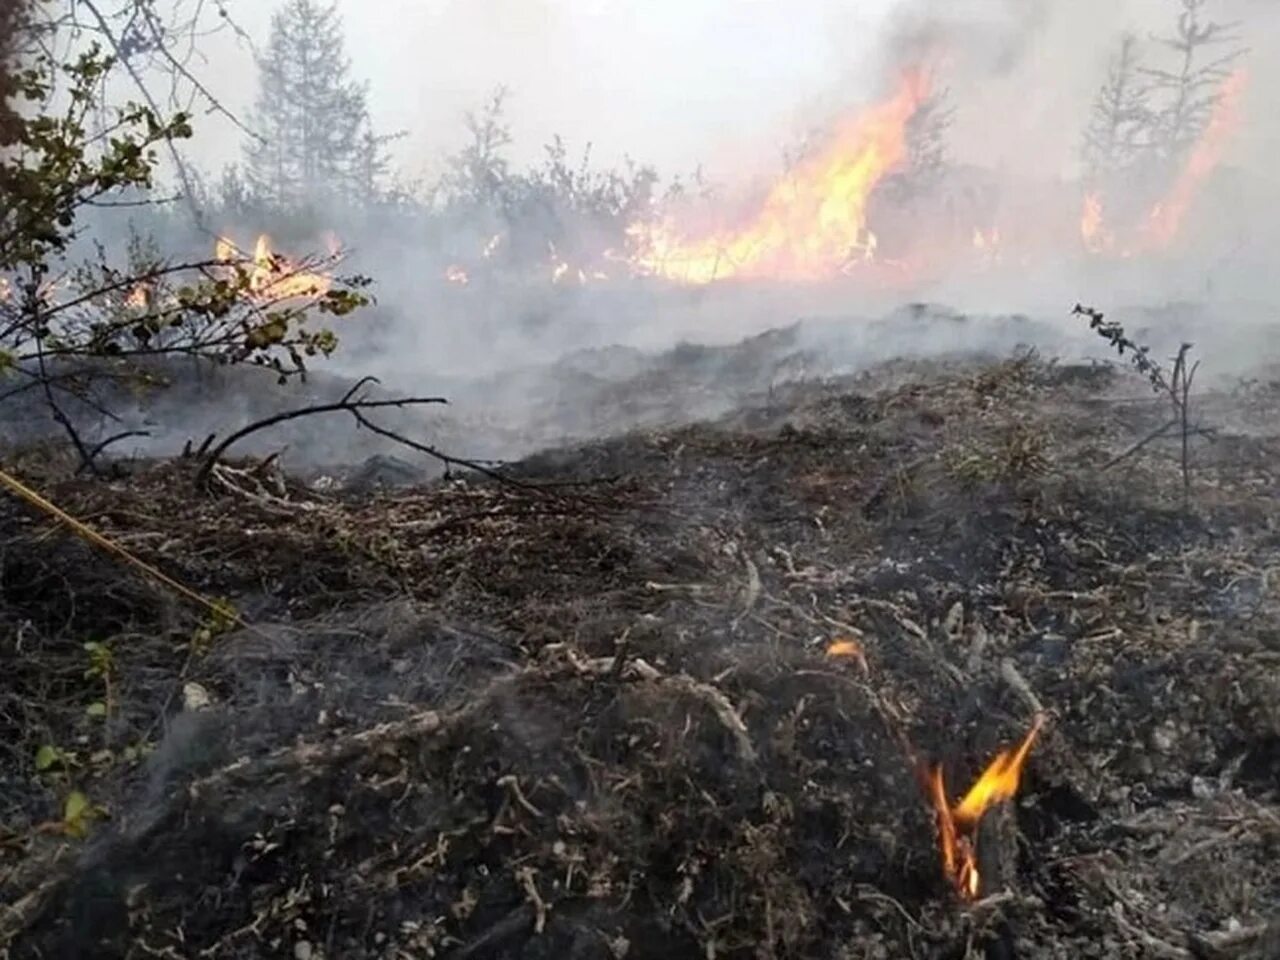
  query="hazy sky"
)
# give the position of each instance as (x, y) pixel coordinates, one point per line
(721, 82)
(672, 81)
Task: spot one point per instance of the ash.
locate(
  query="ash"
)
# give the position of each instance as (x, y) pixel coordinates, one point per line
(587, 711)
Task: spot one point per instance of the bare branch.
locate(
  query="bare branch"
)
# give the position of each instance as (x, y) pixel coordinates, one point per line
(347, 403)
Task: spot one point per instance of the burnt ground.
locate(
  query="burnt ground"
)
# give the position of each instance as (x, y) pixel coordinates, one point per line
(587, 712)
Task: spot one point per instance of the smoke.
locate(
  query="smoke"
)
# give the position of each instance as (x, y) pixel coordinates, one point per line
(999, 35)
(728, 87)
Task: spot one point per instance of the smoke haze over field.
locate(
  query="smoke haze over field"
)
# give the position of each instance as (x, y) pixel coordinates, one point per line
(737, 88)
(683, 82)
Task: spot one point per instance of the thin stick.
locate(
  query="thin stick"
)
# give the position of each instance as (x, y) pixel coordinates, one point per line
(347, 403)
(110, 546)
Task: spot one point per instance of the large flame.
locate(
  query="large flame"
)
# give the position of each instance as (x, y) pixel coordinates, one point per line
(958, 824)
(1163, 224)
(1166, 218)
(813, 223)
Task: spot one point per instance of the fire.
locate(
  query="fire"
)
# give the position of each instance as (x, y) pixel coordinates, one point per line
(1165, 220)
(847, 647)
(811, 223)
(987, 244)
(455, 274)
(958, 824)
(560, 269)
(139, 298)
(1092, 225)
(272, 277)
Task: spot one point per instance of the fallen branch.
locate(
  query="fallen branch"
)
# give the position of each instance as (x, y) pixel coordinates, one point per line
(516, 923)
(348, 403)
(308, 758)
(1018, 683)
(447, 459)
(115, 438)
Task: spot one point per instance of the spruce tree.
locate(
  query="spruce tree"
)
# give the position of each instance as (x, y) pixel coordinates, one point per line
(1119, 129)
(1205, 54)
(312, 118)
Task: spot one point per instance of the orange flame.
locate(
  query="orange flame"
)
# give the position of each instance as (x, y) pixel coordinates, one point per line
(958, 824)
(1165, 220)
(139, 298)
(813, 222)
(1093, 225)
(846, 647)
(272, 277)
(987, 244)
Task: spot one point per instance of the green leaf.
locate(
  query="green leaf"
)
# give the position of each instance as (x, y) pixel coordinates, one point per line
(47, 756)
(75, 808)
(96, 709)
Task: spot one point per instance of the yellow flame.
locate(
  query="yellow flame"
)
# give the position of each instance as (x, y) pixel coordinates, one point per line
(1092, 222)
(271, 277)
(812, 222)
(958, 824)
(848, 648)
(987, 245)
(139, 297)
(999, 781)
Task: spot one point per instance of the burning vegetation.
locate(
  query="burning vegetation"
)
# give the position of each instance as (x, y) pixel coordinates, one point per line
(750, 652)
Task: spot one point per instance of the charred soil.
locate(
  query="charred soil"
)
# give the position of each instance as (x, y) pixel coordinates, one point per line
(545, 719)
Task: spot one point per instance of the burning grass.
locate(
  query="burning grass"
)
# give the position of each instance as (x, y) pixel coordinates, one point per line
(684, 713)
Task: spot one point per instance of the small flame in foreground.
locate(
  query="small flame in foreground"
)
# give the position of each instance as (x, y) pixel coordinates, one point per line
(813, 222)
(847, 647)
(958, 825)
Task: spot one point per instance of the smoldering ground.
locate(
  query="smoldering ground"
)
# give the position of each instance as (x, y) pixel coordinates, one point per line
(587, 710)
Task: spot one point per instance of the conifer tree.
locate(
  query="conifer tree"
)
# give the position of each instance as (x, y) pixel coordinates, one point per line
(1119, 129)
(1205, 52)
(312, 118)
